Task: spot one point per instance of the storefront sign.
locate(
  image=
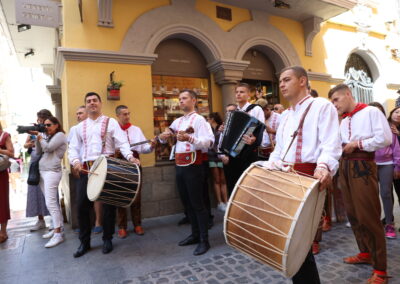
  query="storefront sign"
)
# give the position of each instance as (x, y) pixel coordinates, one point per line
(43, 13)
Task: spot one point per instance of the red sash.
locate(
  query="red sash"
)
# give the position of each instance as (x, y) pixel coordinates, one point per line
(305, 168)
(189, 158)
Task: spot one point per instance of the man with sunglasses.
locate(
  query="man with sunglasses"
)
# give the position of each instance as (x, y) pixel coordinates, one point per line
(95, 136)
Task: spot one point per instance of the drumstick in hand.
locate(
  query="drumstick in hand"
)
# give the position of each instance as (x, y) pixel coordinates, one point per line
(89, 172)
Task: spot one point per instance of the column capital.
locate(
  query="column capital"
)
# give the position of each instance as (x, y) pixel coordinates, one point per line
(228, 71)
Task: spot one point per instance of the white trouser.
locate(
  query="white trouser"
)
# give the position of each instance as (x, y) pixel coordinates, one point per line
(49, 182)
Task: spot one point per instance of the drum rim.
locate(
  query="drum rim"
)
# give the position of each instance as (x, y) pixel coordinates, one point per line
(292, 228)
(139, 188)
(96, 162)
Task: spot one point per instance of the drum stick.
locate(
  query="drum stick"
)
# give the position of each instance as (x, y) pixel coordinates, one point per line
(89, 172)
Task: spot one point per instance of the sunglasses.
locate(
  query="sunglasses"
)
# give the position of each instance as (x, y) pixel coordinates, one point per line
(48, 125)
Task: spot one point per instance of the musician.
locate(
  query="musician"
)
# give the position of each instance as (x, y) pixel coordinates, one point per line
(96, 135)
(189, 170)
(134, 135)
(315, 150)
(249, 154)
(363, 130)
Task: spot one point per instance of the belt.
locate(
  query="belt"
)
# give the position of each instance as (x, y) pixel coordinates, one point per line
(359, 155)
(189, 158)
(305, 168)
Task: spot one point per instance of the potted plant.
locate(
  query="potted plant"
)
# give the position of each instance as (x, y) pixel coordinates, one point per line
(113, 88)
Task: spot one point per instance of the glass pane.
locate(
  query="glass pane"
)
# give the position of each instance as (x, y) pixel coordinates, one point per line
(166, 104)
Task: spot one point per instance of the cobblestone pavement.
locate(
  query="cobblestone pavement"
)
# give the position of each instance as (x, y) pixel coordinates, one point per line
(156, 258)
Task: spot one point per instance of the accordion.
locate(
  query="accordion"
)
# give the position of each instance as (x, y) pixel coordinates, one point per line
(238, 124)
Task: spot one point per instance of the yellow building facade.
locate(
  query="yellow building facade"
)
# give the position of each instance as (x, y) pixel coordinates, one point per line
(150, 44)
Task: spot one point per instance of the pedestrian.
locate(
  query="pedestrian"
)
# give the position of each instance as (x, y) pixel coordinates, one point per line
(35, 203)
(97, 135)
(394, 121)
(278, 108)
(388, 162)
(134, 135)
(363, 130)
(307, 142)
(193, 134)
(6, 148)
(215, 164)
(52, 147)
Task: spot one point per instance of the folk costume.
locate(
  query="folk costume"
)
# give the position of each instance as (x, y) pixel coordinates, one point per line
(189, 170)
(317, 145)
(95, 137)
(358, 181)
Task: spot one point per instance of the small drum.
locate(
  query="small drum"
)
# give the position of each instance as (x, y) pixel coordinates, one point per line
(273, 216)
(113, 181)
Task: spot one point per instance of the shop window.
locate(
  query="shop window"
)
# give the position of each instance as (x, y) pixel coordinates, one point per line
(166, 90)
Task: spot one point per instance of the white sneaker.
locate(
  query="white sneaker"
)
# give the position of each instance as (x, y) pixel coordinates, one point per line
(40, 224)
(221, 207)
(348, 225)
(48, 235)
(55, 240)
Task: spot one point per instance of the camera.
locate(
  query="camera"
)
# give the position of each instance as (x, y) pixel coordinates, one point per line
(36, 127)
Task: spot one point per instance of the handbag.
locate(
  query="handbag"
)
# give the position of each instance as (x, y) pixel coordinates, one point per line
(4, 160)
(34, 174)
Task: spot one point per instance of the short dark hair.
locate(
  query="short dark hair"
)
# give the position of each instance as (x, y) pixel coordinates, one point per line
(92, 94)
(340, 87)
(44, 114)
(190, 92)
(298, 72)
(55, 120)
(119, 108)
(217, 118)
(245, 85)
(314, 93)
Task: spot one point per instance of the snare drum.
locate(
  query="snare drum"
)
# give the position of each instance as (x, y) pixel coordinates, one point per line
(273, 216)
(113, 181)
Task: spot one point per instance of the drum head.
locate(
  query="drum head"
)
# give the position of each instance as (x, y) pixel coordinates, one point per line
(304, 230)
(97, 179)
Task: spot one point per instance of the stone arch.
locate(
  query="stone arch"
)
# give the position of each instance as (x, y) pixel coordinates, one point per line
(273, 51)
(372, 61)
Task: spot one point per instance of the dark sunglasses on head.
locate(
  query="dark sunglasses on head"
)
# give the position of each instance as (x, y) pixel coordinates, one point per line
(48, 124)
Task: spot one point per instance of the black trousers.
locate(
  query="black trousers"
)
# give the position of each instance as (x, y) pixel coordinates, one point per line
(396, 183)
(84, 208)
(308, 273)
(189, 181)
(206, 193)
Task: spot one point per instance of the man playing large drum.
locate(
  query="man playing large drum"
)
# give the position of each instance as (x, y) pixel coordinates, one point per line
(97, 135)
(307, 141)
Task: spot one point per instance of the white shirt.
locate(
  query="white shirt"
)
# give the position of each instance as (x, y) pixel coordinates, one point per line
(273, 122)
(71, 133)
(369, 127)
(135, 135)
(321, 140)
(87, 136)
(202, 138)
(256, 112)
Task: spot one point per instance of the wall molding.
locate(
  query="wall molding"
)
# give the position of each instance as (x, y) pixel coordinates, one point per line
(311, 28)
(393, 86)
(228, 71)
(324, 77)
(91, 55)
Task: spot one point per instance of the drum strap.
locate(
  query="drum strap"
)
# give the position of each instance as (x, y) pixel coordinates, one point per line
(299, 131)
(104, 127)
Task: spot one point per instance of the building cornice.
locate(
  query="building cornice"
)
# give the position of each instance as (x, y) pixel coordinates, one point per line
(228, 71)
(347, 4)
(316, 76)
(91, 55)
(393, 86)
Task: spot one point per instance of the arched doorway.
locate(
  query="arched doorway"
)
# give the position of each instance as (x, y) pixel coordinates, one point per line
(359, 78)
(261, 76)
(179, 65)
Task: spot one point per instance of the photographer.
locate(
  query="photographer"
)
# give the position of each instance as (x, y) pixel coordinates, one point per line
(52, 147)
(35, 203)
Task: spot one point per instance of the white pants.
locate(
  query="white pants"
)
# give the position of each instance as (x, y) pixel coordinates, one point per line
(49, 182)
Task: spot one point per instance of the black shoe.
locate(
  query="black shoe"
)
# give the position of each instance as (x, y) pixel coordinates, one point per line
(210, 222)
(183, 221)
(202, 248)
(83, 248)
(191, 240)
(107, 246)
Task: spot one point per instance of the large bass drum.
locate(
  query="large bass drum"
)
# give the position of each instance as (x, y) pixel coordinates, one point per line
(113, 181)
(273, 216)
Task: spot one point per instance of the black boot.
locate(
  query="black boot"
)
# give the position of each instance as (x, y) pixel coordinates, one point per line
(202, 248)
(107, 246)
(83, 248)
(191, 240)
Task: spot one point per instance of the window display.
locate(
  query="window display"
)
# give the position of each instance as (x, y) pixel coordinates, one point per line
(166, 90)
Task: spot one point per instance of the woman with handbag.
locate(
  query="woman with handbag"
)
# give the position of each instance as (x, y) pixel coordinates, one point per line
(7, 149)
(52, 147)
(35, 204)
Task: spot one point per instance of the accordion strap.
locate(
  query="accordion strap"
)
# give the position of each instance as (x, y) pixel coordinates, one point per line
(294, 135)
